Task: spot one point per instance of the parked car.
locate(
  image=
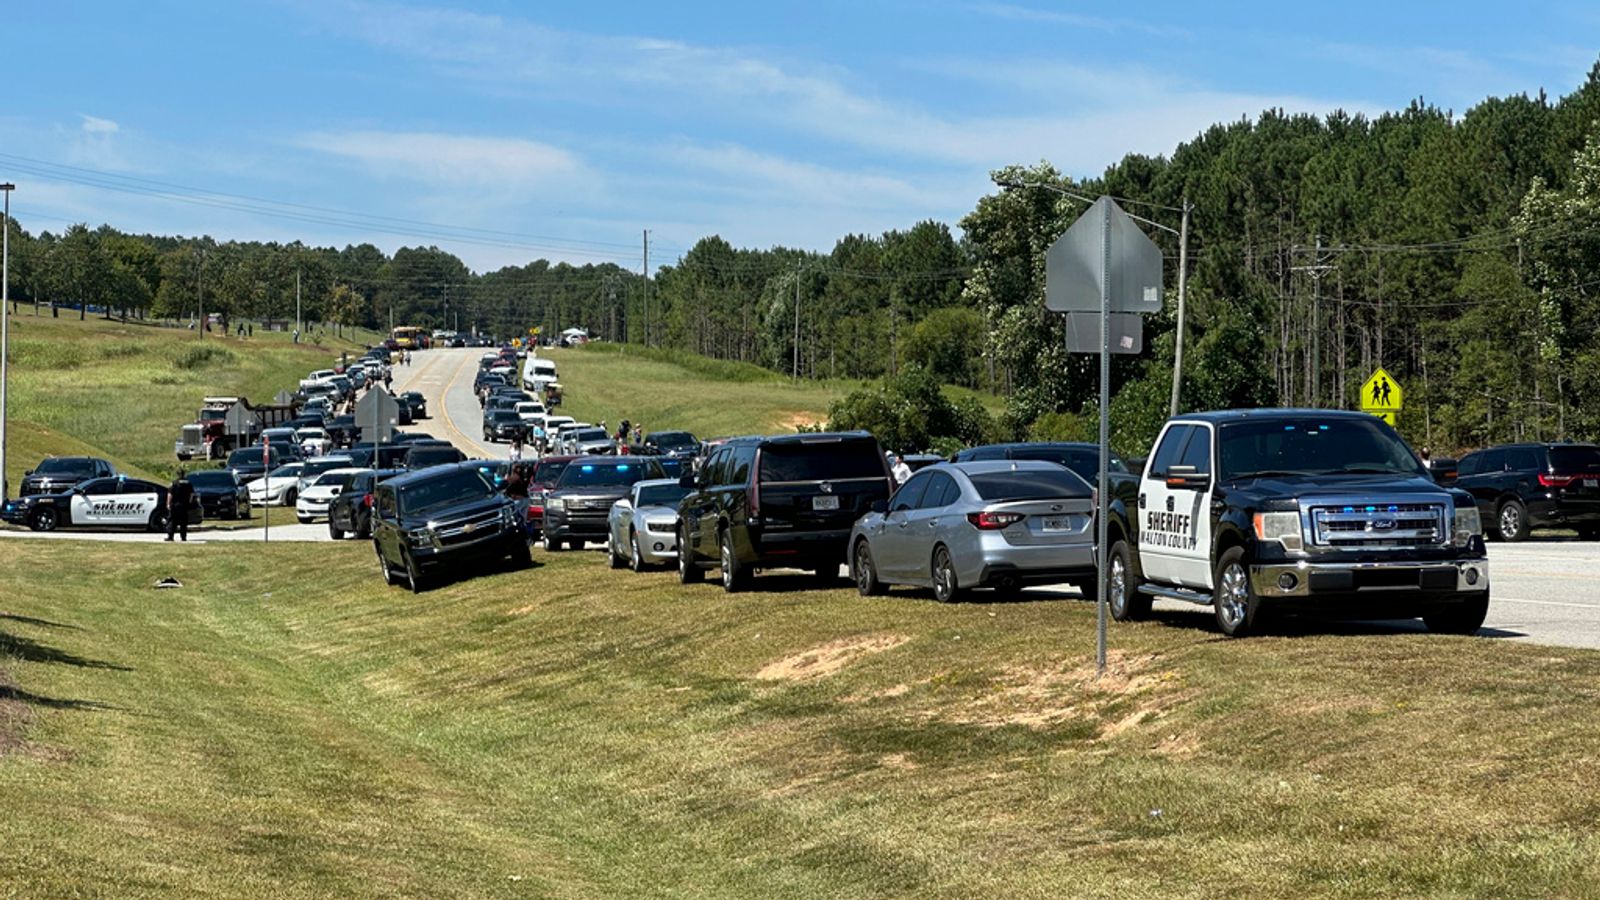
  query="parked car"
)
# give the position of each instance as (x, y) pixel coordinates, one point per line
(778, 502)
(314, 441)
(959, 526)
(56, 474)
(313, 469)
(220, 494)
(250, 463)
(591, 442)
(444, 517)
(1520, 487)
(672, 444)
(502, 425)
(317, 496)
(350, 513)
(530, 411)
(117, 501)
(431, 453)
(279, 487)
(577, 507)
(642, 528)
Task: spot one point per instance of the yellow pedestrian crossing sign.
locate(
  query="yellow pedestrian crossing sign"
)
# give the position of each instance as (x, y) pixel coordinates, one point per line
(1382, 396)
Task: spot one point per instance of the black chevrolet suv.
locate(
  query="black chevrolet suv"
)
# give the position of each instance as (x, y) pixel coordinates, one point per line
(439, 518)
(1520, 487)
(778, 502)
(577, 508)
(58, 473)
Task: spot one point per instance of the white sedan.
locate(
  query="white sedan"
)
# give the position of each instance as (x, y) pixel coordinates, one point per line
(314, 500)
(314, 441)
(642, 528)
(278, 488)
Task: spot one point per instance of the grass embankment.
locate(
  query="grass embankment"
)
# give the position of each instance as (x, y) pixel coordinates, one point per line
(281, 729)
(668, 389)
(122, 391)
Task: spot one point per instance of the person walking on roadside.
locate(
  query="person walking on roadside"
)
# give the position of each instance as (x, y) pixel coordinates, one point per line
(388, 382)
(516, 450)
(180, 494)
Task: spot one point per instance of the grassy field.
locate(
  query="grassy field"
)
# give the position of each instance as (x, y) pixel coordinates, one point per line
(276, 728)
(612, 382)
(122, 390)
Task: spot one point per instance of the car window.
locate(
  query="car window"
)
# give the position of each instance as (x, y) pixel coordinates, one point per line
(1522, 459)
(1170, 450)
(550, 471)
(219, 479)
(1469, 465)
(1313, 445)
(1197, 452)
(821, 461)
(1029, 484)
(984, 454)
(446, 489)
(1493, 461)
(77, 468)
(100, 486)
(716, 466)
(1575, 459)
(941, 492)
(910, 493)
(661, 495)
(740, 465)
(130, 486)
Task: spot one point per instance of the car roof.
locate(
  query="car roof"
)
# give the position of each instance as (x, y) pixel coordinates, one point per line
(1240, 415)
(992, 466)
(656, 482)
(1021, 445)
(331, 456)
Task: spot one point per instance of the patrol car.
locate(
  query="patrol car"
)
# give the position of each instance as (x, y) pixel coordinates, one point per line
(1297, 511)
(105, 502)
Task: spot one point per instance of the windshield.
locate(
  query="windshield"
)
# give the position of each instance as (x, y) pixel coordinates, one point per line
(672, 440)
(444, 489)
(504, 415)
(213, 415)
(318, 466)
(594, 475)
(1029, 484)
(432, 456)
(290, 471)
(250, 456)
(310, 434)
(1574, 459)
(550, 472)
(822, 461)
(590, 434)
(1313, 446)
(61, 466)
(331, 479)
(661, 495)
(212, 479)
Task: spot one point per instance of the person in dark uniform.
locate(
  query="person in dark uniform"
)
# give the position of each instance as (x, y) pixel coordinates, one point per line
(180, 494)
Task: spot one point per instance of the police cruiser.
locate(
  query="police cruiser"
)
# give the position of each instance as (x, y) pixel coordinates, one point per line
(1289, 511)
(118, 501)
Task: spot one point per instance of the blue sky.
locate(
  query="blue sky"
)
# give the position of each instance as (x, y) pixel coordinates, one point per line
(561, 131)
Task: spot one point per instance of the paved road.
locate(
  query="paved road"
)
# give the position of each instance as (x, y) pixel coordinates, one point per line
(197, 535)
(445, 377)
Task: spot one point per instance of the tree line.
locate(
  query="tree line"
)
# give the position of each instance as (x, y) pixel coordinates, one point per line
(1459, 251)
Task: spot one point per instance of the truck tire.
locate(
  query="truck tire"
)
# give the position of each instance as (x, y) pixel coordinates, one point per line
(1459, 618)
(1512, 521)
(1235, 604)
(383, 566)
(1122, 588)
(689, 571)
(735, 577)
(553, 545)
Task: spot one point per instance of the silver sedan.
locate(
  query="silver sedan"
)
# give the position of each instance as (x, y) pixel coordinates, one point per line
(642, 528)
(956, 526)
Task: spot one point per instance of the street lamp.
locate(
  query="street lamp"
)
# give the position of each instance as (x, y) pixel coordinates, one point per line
(5, 327)
(1182, 233)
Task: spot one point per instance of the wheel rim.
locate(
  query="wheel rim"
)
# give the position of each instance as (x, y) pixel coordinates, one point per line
(727, 562)
(1509, 520)
(1233, 598)
(411, 574)
(1117, 585)
(864, 577)
(944, 576)
(633, 548)
(47, 520)
(683, 552)
(383, 565)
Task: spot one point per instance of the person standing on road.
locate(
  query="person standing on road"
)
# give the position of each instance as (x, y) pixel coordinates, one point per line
(180, 494)
(388, 382)
(516, 450)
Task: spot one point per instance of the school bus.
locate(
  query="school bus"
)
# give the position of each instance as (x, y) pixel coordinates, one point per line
(409, 337)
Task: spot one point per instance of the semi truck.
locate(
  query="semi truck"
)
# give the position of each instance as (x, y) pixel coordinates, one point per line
(207, 437)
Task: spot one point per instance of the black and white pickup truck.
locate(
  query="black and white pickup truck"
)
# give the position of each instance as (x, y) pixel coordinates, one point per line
(1324, 512)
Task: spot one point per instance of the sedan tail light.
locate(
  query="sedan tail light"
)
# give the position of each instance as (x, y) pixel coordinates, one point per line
(994, 521)
(1556, 480)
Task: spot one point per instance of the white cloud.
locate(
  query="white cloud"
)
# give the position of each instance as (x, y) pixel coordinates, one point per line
(1015, 13)
(503, 163)
(97, 125)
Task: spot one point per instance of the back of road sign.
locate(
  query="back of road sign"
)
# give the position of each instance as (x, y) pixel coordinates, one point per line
(1076, 263)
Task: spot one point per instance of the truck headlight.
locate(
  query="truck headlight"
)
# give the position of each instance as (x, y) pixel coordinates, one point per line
(554, 504)
(1467, 525)
(1283, 527)
(421, 537)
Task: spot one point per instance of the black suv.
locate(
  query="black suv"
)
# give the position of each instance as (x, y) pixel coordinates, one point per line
(220, 493)
(58, 473)
(440, 517)
(778, 502)
(431, 453)
(1520, 487)
(351, 511)
(577, 508)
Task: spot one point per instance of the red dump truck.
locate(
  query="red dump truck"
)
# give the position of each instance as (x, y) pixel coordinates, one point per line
(208, 436)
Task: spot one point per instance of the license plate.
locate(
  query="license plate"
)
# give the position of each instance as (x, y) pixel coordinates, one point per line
(823, 503)
(1591, 482)
(1054, 526)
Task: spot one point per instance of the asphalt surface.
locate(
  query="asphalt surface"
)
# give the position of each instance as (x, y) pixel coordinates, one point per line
(1546, 591)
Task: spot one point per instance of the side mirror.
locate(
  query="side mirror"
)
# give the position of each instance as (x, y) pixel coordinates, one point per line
(1188, 478)
(27, 473)
(880, 506)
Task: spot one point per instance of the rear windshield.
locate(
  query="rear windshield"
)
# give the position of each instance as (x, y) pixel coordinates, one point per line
(504, 415)
(445, 489)
(212, 479)
(342, 479)
(1086, 463)
(671, 440)
(317, 467)
(821, 461)
(59, 466)
(590, 434)
(289, 471)
(591, 475)
(550, 472)
(432, 455)
(1574, 459)
(661, 495)
(1029, 484)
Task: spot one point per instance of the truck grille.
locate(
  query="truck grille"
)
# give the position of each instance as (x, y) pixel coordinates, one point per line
(468, 530)
(1378, 525)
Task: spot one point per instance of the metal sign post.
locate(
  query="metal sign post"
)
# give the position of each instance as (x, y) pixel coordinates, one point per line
(266, 511)
(1104, 273)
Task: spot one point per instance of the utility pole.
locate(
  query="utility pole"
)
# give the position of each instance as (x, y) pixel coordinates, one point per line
(1316, 269)
(1183, 284)
(199, 294)
(647, 287)
(5, 329)
(797, 321)
(299, 326)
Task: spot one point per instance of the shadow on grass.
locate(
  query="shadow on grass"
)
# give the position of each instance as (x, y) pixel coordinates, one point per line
(1202, 619)
(22, 696)
(33, 651)
(43, 623)
(436, 578)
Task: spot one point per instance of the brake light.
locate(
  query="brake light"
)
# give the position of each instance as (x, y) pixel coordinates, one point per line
(994, 521)
(1556, 480)
(755, 486)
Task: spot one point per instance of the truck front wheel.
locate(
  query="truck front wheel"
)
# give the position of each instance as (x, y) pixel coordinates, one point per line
(1459, 618)
(1235, 604)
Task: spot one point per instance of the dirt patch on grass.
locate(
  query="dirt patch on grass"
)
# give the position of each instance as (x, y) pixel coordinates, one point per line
(794, 421)
(829, 658)
(1126, 697)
